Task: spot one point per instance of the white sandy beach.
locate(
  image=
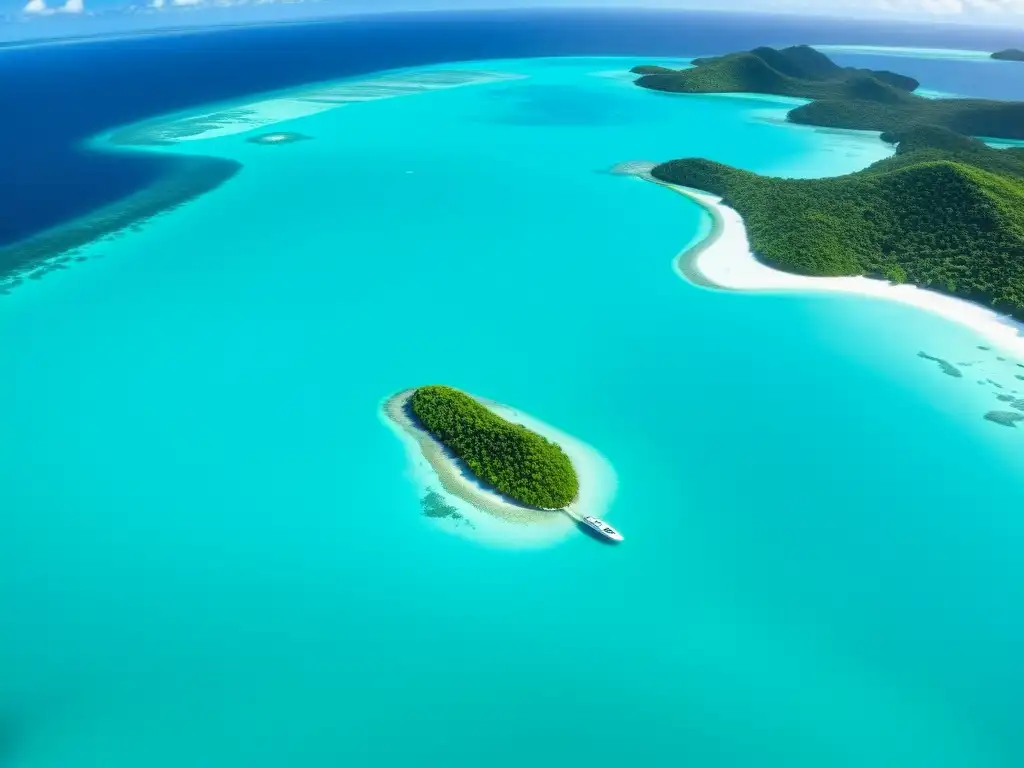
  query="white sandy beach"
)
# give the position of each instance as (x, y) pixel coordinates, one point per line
(724, 260)
(521, 524)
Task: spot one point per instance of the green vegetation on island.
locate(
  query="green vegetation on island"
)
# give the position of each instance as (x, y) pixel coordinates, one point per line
(1010, 54)
(652, 69)
(945, 212)
(841, 97)
(508, 457)
(799, 71)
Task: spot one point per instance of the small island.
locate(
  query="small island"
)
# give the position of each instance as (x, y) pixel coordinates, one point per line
(840, 97)
(495, 472)
(507, 457)
(1010, 54)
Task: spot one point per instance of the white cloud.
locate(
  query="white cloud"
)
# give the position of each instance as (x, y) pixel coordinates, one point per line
(40, 8)
(994, 11)
(966, 8)
(159, 4)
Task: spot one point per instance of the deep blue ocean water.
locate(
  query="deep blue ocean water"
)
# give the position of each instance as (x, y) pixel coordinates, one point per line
(54, 97)
(212, 549)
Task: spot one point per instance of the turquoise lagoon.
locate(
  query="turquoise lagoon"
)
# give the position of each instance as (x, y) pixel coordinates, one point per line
(213, 551)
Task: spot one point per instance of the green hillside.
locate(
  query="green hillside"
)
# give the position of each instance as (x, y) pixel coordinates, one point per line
(798, 71)
(652, 69)
(506, 456)
(841, 97)
(945, 212)
(1010, 54)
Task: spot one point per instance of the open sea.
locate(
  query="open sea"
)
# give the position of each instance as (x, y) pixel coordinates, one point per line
(214, 552)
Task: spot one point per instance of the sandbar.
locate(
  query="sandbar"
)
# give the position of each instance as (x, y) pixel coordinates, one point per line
(296, 103)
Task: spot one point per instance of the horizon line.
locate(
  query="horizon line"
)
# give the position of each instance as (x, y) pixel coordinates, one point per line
(199, 28)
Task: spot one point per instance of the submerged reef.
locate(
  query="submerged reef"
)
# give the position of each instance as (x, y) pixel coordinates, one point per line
(307, 100)
(192, 176)
(54, 249)
(435, 506)
(1004, 418)
(1017, 403)
(947, 367)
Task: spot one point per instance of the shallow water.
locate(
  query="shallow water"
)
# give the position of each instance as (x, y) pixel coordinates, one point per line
(215, 552)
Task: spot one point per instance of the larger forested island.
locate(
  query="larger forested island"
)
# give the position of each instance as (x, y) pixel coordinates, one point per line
(508, 457)
(1010, 54)
(945, 212)
(842, 97)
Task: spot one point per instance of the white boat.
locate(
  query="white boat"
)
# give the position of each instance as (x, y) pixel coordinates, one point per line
(603, 528)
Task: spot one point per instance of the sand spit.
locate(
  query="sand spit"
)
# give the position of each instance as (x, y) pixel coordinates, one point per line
(597, 478)
(724, 260)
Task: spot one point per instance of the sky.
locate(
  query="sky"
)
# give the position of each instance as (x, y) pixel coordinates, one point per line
(58, 18)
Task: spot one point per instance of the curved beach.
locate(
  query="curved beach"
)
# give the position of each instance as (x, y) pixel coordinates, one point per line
(724, 260)
(596, 476)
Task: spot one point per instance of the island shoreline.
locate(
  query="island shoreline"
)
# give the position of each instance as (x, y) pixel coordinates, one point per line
(723, 260)
(595, 474)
